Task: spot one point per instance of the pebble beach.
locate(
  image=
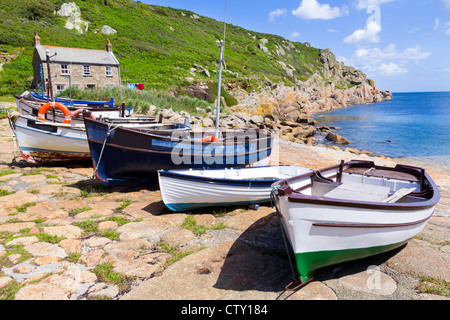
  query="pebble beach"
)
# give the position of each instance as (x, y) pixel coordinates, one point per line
(66, 236)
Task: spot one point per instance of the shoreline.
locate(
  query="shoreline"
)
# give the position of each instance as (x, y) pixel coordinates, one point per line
(391, 138)
(349, 152)
(219, 264)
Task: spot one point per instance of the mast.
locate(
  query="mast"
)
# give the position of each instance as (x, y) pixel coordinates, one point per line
(221, 45)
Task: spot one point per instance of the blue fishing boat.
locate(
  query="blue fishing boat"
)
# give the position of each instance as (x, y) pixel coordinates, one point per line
(31, 106)
(68, 101)
(125, 155)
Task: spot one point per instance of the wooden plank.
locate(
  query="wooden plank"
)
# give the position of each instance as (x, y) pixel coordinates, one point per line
(359, 192)
(380, 173)
(398, 195)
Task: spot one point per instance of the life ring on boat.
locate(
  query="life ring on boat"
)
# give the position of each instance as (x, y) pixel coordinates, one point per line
(210, 139)
(57, 105)
(78, 111)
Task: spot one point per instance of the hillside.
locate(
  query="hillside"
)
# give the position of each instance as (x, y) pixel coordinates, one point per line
(167, 49)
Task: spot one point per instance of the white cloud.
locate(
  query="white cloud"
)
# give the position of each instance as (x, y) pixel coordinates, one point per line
(412, 31)
(415, 53)
(447, 28)
(391, 69)
(377, 55)
(276, 14)
(446, 4)
(368, 34)
(437, 23)
(295, 34)
(386, 61)
(312, 9)
(364, 4)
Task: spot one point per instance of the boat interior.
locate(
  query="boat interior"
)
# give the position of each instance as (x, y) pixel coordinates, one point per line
(248, 173)
(401, 184)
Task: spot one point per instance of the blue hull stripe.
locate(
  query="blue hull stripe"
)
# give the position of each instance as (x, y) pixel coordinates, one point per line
(191, 206)
(28, 149)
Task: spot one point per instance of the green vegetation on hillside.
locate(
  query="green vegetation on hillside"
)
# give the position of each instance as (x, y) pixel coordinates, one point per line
(140, 100)
(155, 45)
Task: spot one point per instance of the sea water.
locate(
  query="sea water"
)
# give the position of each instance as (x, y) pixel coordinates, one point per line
(411, 125)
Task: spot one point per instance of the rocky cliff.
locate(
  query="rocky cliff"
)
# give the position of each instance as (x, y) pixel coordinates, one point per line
(335, 86)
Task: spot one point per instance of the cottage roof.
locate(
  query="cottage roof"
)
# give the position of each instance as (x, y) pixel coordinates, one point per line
(76, 55)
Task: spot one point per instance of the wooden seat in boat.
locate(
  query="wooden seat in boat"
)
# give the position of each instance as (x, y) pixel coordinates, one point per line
(359, 192)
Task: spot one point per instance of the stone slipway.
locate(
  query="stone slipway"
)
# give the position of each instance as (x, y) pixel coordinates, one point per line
(240, 256)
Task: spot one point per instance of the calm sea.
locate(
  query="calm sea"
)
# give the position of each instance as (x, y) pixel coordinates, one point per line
(411, 125)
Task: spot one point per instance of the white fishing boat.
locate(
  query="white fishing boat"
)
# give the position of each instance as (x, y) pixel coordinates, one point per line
(42, 141)
(187, 189)
(351, 211)
(45, 141)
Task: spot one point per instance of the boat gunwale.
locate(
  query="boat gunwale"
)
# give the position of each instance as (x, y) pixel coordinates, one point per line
(75, 126)
(37, 96)
(371, 225)
(89, 106)
(137, 131)
(297, 196)
(226, 181)
(113, 145)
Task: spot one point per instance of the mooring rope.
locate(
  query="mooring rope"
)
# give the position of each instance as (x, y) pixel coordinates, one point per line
(12, 117)
(273, 204)
(110, 129)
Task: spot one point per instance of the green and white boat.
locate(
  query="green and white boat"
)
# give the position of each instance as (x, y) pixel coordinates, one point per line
(351, 211)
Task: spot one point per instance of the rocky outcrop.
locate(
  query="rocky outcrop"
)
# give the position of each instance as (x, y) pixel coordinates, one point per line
(73, 14)
(108, 30)
(335, 86)
(334, 137)
(286, 110)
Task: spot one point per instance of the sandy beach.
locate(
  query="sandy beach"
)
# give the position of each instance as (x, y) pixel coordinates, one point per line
(244, 258)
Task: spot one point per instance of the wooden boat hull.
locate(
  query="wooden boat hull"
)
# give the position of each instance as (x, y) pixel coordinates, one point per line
(48, 142)
(189, 189)
(132, 156)
(333, 239)
(67, 101)
(324, 231)
(28, 106)
(40, 142)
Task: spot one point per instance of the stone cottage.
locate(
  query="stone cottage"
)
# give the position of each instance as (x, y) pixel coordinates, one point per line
(81, 68)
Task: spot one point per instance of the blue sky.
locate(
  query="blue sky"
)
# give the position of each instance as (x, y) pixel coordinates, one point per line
(404, 45)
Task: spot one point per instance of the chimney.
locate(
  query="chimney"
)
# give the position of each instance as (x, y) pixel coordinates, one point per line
(37, 40)
(108, 46)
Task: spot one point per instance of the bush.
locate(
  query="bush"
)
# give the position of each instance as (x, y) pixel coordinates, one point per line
(139, 99)
(17, 75)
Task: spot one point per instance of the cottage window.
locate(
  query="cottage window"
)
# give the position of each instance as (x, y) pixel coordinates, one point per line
(65, 69)
(60, 88)
(86, 70)
(109, 71)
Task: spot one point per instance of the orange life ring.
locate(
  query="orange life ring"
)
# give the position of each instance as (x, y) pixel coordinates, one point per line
(210, 139)
(57, 105)
(78, 111)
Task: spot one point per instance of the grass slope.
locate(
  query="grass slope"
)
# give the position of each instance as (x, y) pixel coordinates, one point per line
(155, 45)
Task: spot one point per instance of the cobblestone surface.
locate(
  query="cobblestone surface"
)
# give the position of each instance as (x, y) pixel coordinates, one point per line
(64, 235)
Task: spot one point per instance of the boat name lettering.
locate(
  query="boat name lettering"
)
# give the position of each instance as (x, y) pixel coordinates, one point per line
(238, 148)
